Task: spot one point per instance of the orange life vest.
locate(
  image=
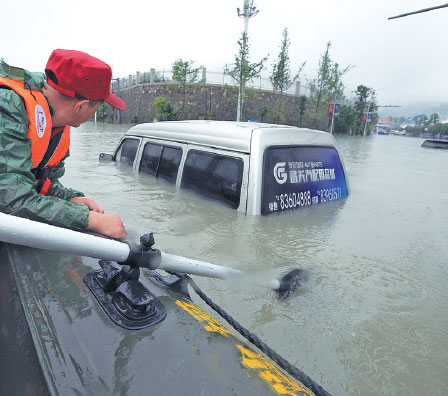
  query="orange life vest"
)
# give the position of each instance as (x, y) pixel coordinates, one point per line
(46, 152)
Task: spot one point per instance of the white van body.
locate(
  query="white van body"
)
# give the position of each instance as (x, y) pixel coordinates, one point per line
(246, 146)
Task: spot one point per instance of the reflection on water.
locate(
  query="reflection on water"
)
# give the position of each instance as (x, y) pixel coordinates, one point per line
(373, 319)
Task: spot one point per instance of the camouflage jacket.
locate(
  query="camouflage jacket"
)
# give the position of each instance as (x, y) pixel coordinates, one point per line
(18, 195)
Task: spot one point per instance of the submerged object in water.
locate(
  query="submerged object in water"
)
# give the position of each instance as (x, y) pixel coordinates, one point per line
(435, 143)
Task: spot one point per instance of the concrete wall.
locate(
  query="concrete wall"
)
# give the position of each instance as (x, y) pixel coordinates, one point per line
(218, 101)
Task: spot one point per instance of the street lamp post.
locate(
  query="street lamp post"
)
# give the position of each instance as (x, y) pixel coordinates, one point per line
(118, 94)
(249, 11)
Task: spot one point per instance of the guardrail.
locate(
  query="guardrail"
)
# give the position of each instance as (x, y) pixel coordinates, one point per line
(205, 76)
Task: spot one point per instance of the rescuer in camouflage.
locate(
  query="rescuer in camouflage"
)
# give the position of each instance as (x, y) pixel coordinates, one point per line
(60, 206)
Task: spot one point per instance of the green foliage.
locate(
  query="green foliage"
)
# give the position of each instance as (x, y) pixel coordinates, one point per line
(277, 117)
(242, 71)
(231, 94)
(365, 98)
(441, 129)
(101, 111)
(281, 74)
(164, 109)
(414, 131)
(433, 119)
(327, 86)
(422, 125)
(264, 113)
(105, 111)
(365, 102)
(184, 73)
(435, 130)
(346, 121)
(302, 107)
(420, 120)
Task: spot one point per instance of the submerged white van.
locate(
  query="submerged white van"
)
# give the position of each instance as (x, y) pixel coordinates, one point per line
(252, 167)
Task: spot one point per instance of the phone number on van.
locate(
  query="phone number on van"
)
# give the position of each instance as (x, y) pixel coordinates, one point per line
(304, 198)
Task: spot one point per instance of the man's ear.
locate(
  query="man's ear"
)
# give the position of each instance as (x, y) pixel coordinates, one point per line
(79, 104)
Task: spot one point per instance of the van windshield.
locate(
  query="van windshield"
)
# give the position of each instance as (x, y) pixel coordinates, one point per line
(127, 151)
(296, 177)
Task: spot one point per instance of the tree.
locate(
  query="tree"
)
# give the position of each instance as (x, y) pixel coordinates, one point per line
(184, 73)
(164, 109)
(302, 107)
(346, 121)
(420, 120)
(242, 71)
(281, 74)
(103, 111)
(327, 86)
(365, 102)
(439, 130)
(265, 111)
(433, 119)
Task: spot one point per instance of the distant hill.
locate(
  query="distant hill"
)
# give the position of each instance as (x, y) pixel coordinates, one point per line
(415, 109)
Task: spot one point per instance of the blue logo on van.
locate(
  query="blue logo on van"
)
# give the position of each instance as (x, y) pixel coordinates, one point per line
(294, 177)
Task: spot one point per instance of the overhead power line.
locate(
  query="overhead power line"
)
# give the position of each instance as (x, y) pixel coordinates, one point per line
(419, 11)
(387, 106)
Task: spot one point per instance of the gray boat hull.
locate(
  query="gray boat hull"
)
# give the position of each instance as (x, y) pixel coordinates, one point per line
(82, 352)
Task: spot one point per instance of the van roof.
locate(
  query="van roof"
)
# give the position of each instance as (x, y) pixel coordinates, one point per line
(227, 135)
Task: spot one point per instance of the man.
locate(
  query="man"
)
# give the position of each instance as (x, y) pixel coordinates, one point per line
(35, 119)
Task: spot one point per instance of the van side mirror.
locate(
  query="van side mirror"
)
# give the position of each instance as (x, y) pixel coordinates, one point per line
(106, 157)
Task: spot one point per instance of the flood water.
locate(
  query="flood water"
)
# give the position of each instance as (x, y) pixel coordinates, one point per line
(373, 319)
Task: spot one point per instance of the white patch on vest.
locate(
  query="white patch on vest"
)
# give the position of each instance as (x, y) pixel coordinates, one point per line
(40, 119)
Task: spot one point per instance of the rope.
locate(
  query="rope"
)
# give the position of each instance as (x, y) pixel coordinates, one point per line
(283, 363)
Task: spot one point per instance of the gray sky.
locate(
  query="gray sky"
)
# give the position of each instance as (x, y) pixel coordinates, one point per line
(404, 60)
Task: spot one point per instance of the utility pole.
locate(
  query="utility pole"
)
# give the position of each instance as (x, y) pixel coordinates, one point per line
(365, 124)
(249, 11)
(334, 106)
(332, 123)
(118, 93)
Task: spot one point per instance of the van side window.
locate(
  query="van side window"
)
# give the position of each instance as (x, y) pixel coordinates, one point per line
(169, 163)
(213, 175)
(127, 151)
(161, 161)
(150, 159)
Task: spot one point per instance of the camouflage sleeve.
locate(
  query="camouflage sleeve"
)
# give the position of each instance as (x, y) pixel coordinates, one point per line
(18, 195)
(57, 189)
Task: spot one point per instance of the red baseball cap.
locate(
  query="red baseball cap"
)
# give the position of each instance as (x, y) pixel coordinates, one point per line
(74, 72)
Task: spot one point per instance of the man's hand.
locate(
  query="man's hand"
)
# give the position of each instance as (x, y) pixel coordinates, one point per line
(89, 202)
(107, 224)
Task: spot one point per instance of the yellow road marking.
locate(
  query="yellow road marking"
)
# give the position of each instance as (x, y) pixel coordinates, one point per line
(280, 383)
(212, 324)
